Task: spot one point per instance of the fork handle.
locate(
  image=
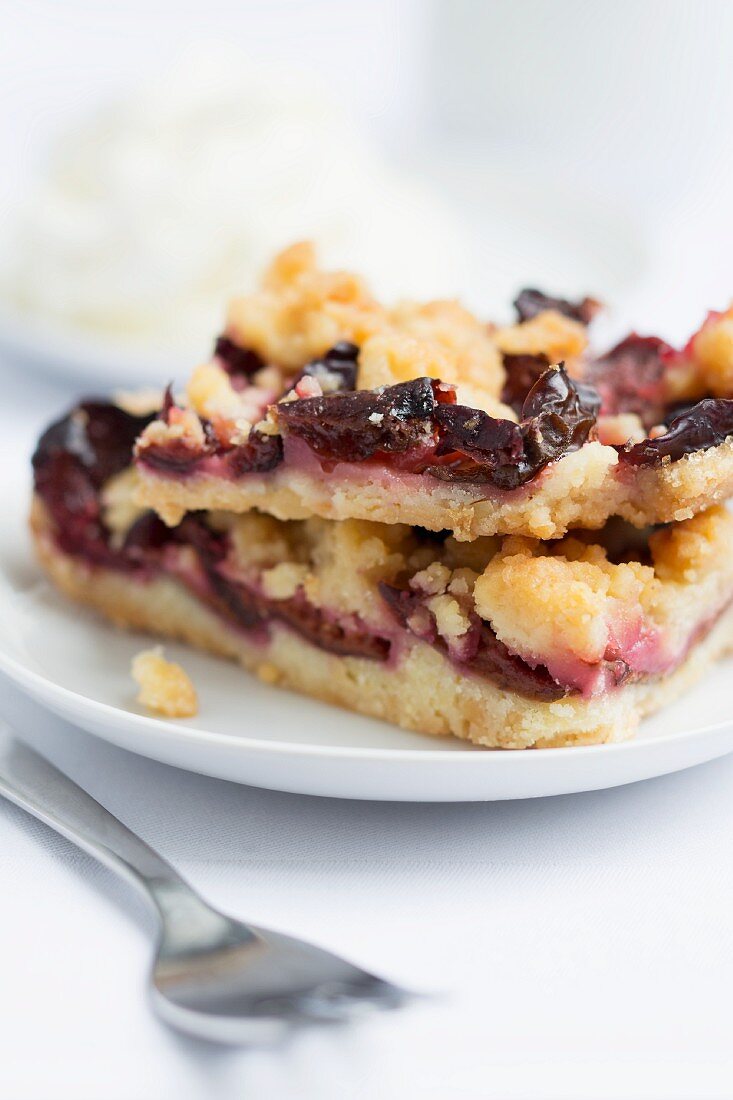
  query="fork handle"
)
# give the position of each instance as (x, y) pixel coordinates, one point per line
(33, 783)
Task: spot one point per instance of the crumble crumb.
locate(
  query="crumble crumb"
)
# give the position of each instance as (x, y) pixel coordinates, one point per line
(450, 618)
(462, 581)
(308, 386)
(241, 431)
(139, 402)
(211, 393)
(164, 686)
(283, 580)
(183, 425)
(432, 581)
(393, 357)
(268, 426)
(267, 673)
(616, 431)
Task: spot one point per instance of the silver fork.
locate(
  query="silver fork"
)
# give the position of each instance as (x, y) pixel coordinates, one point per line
(213, 977)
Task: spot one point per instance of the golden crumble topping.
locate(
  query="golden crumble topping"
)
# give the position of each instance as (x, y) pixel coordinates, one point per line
(394, 357)
(566, 599)
(301, 311)
(451, 620)
(712, 350)
(210, 393)
(683, 552)
(390, 358)
(621, 429)
(569, 596)
(549, 333)
(452, 327)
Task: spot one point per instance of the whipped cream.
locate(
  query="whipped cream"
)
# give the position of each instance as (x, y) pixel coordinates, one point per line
(161, 206)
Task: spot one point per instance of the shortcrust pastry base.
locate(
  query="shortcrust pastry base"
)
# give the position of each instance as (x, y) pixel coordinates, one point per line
(424, 692)
(583, 490)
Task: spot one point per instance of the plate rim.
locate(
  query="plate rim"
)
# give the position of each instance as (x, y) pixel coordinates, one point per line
(42, 687)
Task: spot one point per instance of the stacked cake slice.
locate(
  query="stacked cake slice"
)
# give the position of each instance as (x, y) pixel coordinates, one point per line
(463, 529)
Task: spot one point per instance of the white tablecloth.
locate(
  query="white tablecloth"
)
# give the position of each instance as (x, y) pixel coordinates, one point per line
(584, 944)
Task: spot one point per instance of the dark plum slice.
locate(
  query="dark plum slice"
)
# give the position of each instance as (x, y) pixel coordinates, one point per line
(239, 363)
(234, 601)
(403, 603)
(97, 435)
(417, 419)
(194, 531)
(630, 378)
(261, 453)
(173, 457)
(250, 609)
(529, 302)
(148, 533)
(707, 424)
(258, 455)
(339, 363)
(494, 660)
(74, 458)
(522, 371)
(558, 416)
(350, 427)
(316, 627)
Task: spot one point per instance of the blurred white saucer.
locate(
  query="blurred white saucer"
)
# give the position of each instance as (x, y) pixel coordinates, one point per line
(523, 231)
(61, 353)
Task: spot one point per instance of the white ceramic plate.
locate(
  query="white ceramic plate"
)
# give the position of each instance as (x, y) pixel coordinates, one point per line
(78, 666)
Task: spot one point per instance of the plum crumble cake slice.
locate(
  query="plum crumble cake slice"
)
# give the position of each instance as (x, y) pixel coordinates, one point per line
(504, 641)
(319, 401)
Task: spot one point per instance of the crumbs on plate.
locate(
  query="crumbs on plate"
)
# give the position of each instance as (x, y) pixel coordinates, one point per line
(165, 687)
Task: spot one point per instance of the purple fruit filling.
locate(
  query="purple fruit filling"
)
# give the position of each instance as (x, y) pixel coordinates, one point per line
(78, 454)
(414, 425)
(558, 416)
(482, 652)
(707, 424)
(351, 427)
(72, 462)
(178, 457)
(522, 371)
(75, 456)
(338, 367)
(248, 608)
(630, 378)
(260, 454)
(239, 363)
(529, 302)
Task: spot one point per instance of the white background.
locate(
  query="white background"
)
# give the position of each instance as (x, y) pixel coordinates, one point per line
(584, 944)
